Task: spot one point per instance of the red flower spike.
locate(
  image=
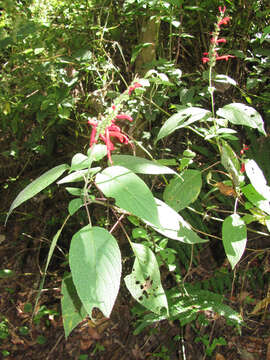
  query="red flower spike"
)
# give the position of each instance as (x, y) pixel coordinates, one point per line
(243, 169)
(110, 131)
(222, 11)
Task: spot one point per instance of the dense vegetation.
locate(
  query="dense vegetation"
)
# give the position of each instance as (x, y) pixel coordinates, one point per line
(158, 112)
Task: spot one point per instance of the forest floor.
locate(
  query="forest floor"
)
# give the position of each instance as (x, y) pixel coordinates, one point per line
(23, 250)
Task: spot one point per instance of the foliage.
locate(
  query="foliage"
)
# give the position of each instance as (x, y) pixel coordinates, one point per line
(59, 70)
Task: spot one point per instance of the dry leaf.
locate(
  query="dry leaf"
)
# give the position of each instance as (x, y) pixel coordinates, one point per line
(219, 357)
(225, 189)
(243, 295)
(261, 305)
(93, 333)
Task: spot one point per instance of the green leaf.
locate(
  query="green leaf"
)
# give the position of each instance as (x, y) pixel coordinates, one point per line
(6, 273)
(97, 152)
(257, 178)
(144, 282)
(137, 50)
(257, 199)
(79, 175)
(241, 114)
(173, 226)
(129, 191)
(75, 191)
(81, 161)
(37, 185)
(234, 237)
(224, 79)
(180, 192)
(74, 205)
(77, 161)
(178, 120)
(95, 263)
(63, 112)
(141, 165)
(73, 311)
(231, 163)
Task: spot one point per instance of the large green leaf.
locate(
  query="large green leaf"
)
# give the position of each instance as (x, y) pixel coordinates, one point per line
(257, 178)
(129, 191)
(73, 311)
(95, 263)
(173, 226)
(184, 190)
(231, 163)
(234, 237)
(37, 185)
(256, 198)
(179, 120)
(144, 281)
(141, 165)
(241, 114)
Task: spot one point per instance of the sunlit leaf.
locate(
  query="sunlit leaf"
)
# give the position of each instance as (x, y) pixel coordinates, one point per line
(37, 186)
(144, 281)
(182, 118)
(95, 263)
(141, 165)
(241, 114)
(234, 237)
(130, 192)
(184, 190)
(257, 178)
(173, 226)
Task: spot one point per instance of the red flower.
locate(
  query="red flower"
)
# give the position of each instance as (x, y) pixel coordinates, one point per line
(244, 149)
(110, 131)
(124, 117)
(224, 57)
(218, 41)
(242, 170)
(223, 21)
(222, 11)
(133, 87)
(205, 60)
